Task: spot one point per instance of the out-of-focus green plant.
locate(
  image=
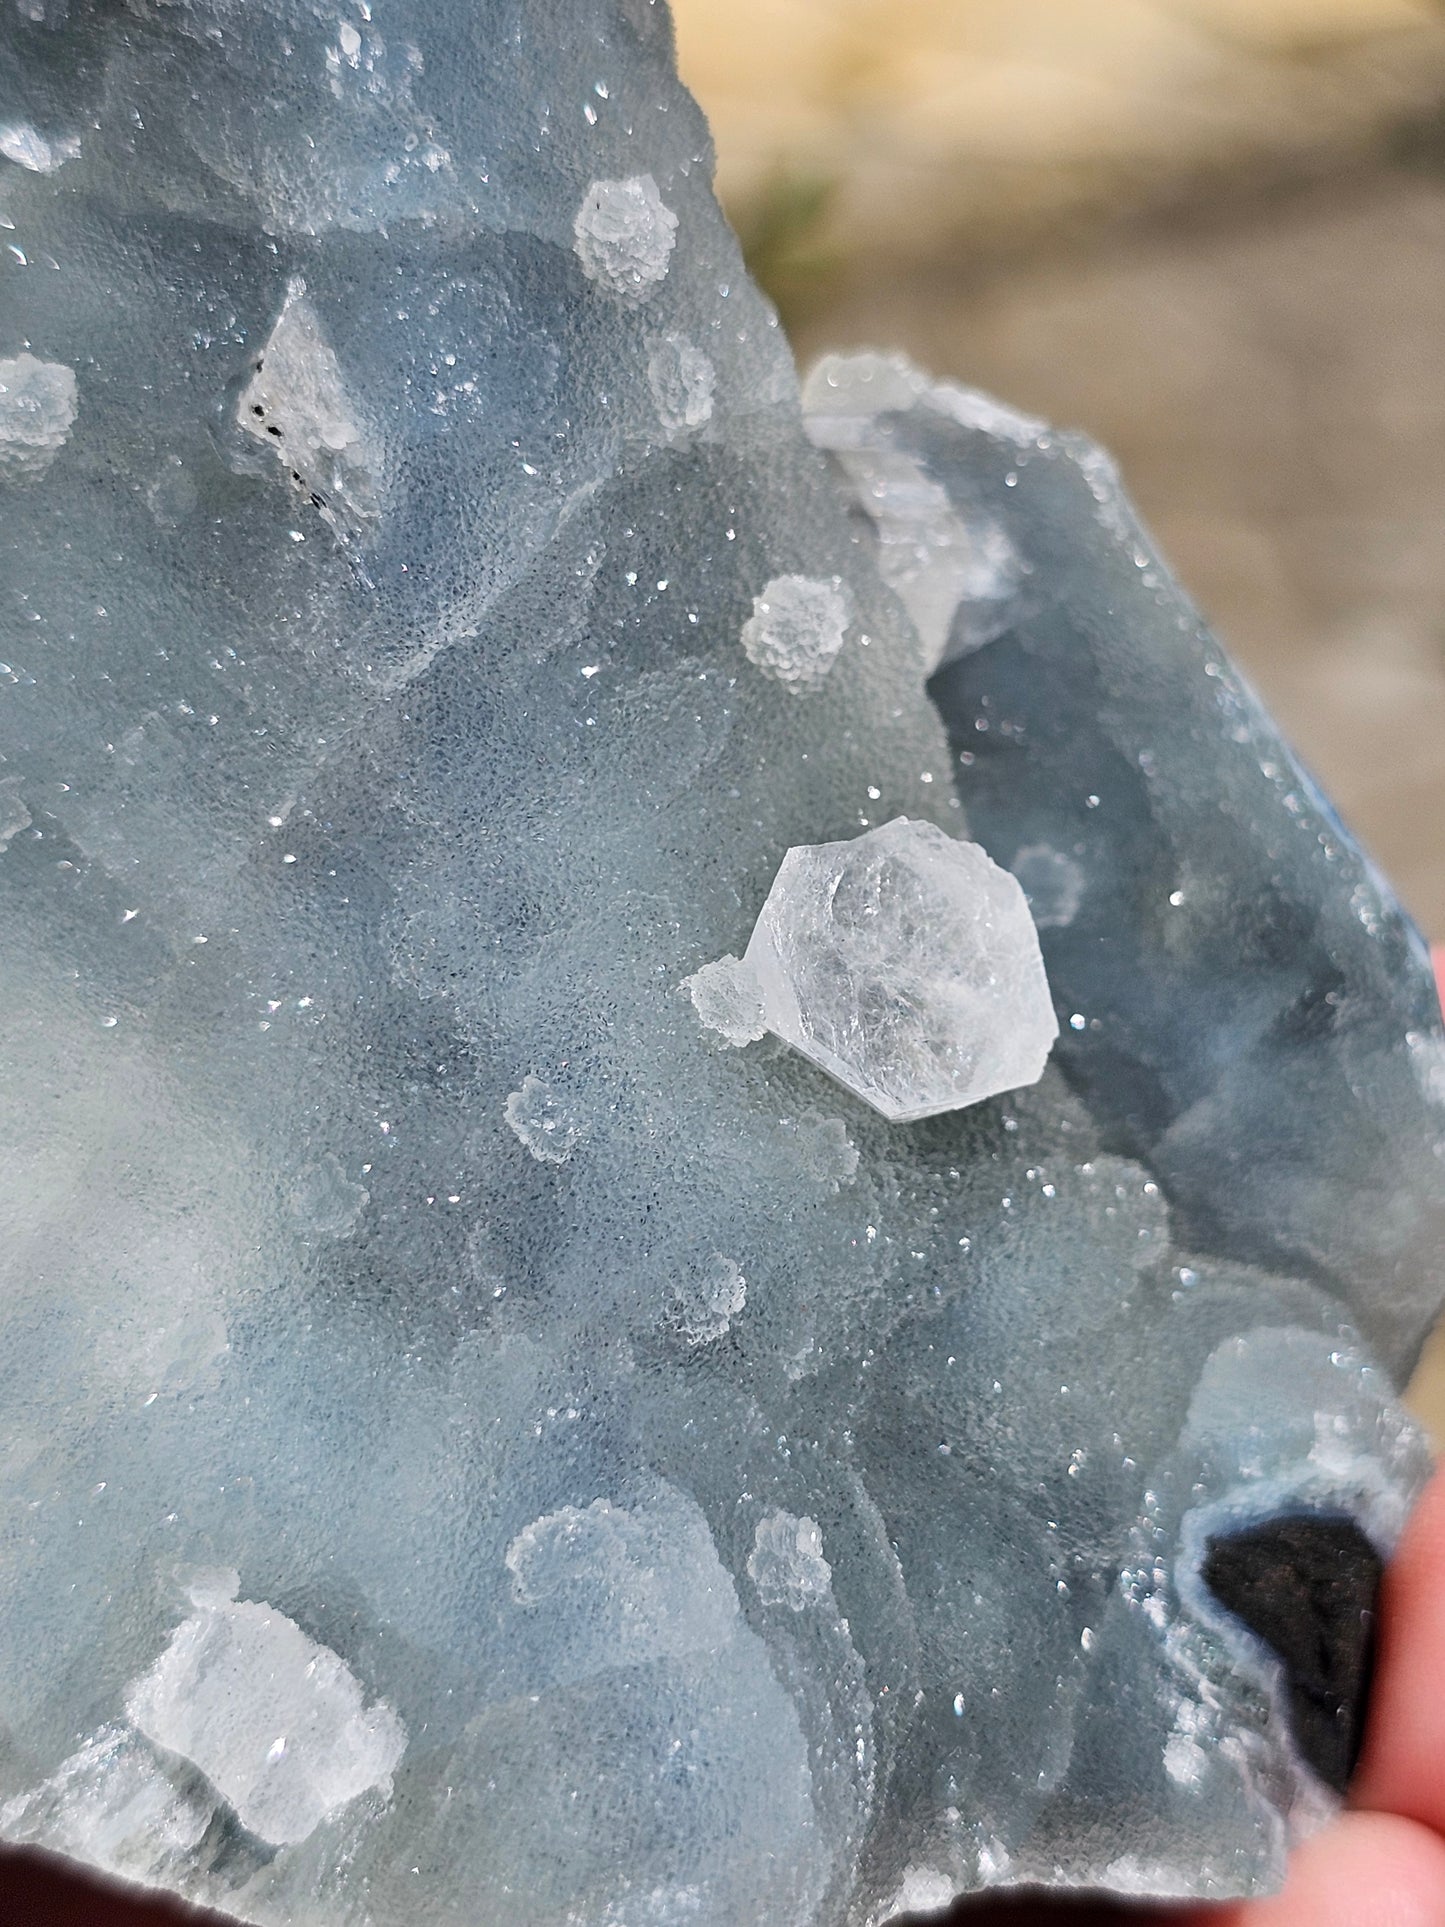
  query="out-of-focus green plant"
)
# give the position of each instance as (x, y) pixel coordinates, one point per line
(784, 231)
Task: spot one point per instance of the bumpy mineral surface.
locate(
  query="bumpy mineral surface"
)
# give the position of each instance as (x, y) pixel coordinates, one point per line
(506, 815)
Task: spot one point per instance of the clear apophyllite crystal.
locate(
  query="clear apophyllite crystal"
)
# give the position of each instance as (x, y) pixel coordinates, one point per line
(907, 965)
(651, 1484)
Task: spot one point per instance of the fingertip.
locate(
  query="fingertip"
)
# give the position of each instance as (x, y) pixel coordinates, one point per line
(1368, 1870)
(1400, 1771)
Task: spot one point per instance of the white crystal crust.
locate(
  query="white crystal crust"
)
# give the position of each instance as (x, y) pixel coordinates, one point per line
(543, 1121)
(38, 406)
(796, 630)
(728, 999)
(905, 963)
(624, 234)
(274, 1720)
(786, 1564)
(682, 380)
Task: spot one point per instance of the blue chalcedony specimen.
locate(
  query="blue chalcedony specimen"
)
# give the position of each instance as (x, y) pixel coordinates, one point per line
(488, 1429)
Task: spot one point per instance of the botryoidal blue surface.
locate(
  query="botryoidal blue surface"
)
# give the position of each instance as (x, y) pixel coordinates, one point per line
(478, 1441)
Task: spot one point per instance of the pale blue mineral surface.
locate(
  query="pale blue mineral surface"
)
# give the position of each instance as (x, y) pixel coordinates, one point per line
(501, 1418)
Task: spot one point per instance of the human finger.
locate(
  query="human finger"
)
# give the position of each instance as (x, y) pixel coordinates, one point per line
(1367, 1870)
(1402, 1770)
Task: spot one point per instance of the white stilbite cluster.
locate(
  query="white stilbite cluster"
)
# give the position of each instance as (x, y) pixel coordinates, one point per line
(786, 1564)
(709, 1299)
(796, 630)
(624, 234)
(543, 1121)
(728, 999)
(38, 406)
(275, 1721)
(906, 964)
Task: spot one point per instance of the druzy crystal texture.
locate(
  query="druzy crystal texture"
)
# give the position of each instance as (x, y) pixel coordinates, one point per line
(507, 812)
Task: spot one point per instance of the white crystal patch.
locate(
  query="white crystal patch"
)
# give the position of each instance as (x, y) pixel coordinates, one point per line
(682, 380)
(1053, 884)
(796, 630)
(786, 1564)
(907, 966)
(274, 1720)
(543, 1121)
(922, 1890)
(624, 1584)
(728, 999)
(297, 404)
(14, 817)
(111, 1804)
(933, 558)
(38, 405)
(326, 1203)
(624, 234)
(29, 148)
(708, 1301)
(824, 1150)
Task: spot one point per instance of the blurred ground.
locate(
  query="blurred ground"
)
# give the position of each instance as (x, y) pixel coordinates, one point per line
(1210, 232)
(907, 130)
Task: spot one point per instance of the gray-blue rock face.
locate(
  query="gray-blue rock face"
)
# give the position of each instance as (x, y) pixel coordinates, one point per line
(480, 1438)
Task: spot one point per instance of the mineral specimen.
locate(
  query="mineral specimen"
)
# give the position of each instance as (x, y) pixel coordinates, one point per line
(474, 1446)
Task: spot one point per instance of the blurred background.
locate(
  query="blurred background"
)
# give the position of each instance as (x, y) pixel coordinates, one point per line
(1210, 232)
